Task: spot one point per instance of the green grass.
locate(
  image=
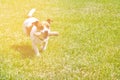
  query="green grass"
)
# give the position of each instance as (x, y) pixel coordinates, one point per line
(88, 47)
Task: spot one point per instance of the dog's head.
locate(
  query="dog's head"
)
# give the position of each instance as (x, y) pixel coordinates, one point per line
(47, 23)
(38, 25)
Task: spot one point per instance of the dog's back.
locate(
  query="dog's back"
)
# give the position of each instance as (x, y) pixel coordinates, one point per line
(28, 23)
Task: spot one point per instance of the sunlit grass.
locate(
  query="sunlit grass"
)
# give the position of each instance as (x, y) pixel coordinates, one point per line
(88, 47)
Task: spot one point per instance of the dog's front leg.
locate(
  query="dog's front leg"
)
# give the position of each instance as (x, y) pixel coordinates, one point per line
(45, 45)
(35, 49)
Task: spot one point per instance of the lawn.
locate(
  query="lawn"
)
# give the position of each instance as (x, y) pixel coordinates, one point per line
(88, 47)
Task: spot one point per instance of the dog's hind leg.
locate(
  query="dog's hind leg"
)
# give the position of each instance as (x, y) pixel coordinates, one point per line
(35, 49)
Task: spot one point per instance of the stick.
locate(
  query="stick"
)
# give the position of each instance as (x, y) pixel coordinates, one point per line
(53, 33)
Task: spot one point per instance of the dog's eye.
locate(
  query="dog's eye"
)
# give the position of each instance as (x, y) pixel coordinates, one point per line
(47, 26)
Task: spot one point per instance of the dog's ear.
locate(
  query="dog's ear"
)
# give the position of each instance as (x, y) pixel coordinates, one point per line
(49, 21)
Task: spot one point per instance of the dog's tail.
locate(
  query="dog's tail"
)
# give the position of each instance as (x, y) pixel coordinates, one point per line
(31, 12)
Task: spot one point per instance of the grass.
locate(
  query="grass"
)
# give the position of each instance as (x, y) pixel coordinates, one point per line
(88, 47)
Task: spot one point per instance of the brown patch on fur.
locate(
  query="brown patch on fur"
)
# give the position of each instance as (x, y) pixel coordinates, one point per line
(38, 25)
(28, 29)
(48, 26)
(45, 34)
(49, 21)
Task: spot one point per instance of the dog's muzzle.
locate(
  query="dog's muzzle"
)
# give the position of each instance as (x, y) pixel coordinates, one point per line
(42, 35)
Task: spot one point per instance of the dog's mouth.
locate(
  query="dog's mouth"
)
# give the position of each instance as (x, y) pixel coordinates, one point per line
(42, 35)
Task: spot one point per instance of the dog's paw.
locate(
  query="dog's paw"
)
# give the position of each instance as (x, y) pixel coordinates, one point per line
(44, 48)
(38, 54)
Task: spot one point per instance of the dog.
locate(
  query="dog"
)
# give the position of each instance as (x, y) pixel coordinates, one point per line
(39, 32)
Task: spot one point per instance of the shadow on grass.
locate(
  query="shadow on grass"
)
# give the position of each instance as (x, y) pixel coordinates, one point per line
(25, 50)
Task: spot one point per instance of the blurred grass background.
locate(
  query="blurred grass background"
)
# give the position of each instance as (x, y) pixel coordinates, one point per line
(88, 47)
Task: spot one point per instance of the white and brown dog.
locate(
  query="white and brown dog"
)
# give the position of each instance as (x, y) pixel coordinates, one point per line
(39, 32)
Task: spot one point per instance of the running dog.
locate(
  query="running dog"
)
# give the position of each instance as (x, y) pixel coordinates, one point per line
(39, 32)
